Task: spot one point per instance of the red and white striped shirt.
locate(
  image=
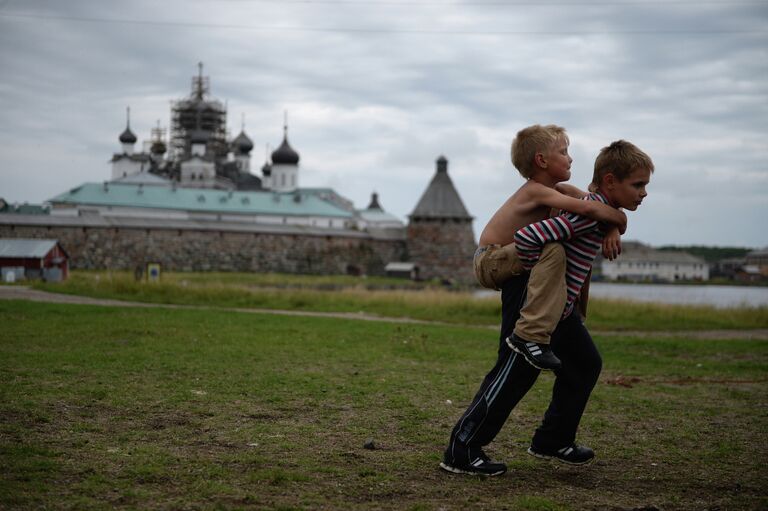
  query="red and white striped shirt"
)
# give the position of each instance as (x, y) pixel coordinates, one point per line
(582, 239)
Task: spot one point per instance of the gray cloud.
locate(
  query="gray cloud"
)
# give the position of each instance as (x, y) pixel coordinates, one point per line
(372, 104)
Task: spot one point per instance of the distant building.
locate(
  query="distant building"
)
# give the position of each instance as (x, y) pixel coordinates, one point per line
(639, 262)
(33, 259)
(440, 237)
(727, 268)
(23, 209)
(176, 204)
(402, 270)
(196, 153)
(375, 219)
(758, 259)
(188, 200)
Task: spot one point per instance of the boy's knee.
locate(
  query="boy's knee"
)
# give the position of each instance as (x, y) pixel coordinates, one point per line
(595, 367)
(553, 254)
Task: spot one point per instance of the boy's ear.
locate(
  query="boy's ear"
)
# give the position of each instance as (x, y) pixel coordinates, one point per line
(540, 160)
(609, 180)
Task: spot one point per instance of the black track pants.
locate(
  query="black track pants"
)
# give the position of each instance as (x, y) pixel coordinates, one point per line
(511, 378)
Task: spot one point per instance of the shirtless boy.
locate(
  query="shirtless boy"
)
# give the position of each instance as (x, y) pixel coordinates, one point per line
(540, 154)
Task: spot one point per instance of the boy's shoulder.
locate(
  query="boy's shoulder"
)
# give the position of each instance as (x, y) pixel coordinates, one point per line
(535, 192)
(529, 194)
(531, 187)
(596, 196)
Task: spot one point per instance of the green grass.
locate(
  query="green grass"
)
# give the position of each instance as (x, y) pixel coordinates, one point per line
(104, 408)
(383, 297)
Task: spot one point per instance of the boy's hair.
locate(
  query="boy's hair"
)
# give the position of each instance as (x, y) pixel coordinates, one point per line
(621, 158)
(531, 140)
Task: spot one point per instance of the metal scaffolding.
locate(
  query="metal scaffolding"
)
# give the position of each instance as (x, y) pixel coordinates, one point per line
(198, 113)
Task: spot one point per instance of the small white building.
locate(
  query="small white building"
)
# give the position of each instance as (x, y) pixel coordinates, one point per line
(639, 262)
(374, 218)
(284, 169)
(127, 163)
(198, 170)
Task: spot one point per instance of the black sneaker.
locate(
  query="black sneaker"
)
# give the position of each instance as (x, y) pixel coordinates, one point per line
(480, 465)
(571, 455)
(538, 355)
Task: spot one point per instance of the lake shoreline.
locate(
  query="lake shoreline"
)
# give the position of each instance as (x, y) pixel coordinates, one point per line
(716, 295)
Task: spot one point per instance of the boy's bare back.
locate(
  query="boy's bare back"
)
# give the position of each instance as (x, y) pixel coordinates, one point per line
(521, 209)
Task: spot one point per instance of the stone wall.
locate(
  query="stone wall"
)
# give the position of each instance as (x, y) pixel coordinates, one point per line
(188, 249)
(443, 248)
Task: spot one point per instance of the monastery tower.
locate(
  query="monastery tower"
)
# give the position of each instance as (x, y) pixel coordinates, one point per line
(440, 236)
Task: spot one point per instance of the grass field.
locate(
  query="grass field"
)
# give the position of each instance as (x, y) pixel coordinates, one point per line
(385, 297)
(146, 408)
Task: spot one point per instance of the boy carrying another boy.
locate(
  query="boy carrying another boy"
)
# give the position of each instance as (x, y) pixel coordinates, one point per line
(540, 153)
(622, 171)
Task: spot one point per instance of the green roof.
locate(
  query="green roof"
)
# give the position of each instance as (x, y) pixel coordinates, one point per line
(298, 203)
(24, 209)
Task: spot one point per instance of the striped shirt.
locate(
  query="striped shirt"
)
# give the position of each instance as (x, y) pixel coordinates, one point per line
(582, 239)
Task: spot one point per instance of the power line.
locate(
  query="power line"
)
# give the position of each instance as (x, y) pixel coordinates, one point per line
(510, 4)
(369, 30)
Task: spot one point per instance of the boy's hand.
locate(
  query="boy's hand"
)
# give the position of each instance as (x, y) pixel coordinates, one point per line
(612, 244)
(610, 215)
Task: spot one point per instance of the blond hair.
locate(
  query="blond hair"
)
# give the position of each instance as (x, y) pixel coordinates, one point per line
(531, 140)
(621, 158)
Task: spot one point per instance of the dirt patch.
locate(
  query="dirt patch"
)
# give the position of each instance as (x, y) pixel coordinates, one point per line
(631, 381)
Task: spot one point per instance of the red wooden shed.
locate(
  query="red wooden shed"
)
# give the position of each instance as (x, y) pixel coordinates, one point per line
(33, 258)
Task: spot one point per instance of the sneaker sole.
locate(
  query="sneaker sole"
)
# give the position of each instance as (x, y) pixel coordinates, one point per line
(454, 470)
(560, 460)
(527, 357)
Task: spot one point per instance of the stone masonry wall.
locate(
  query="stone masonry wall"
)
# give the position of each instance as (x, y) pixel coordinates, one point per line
(443, 248)
(202, 250)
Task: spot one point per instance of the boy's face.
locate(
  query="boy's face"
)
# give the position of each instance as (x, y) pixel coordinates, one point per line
(558, 161)
(630, 192)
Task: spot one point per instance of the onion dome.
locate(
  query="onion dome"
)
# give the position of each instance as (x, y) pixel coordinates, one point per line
(158, 147)
(242, 143)
(127, 137)
(285, 155)
(266, 170)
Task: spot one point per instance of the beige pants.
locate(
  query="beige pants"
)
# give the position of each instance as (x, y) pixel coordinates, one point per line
(546, 295)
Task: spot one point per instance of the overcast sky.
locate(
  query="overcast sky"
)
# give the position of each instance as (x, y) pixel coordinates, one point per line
(376, 90)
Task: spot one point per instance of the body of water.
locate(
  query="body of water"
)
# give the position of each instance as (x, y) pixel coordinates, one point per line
(718, 296)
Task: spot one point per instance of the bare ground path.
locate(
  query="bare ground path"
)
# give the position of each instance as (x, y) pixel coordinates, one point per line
(34, 295)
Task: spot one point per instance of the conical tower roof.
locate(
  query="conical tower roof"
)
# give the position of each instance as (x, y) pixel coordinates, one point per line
(440, 199)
